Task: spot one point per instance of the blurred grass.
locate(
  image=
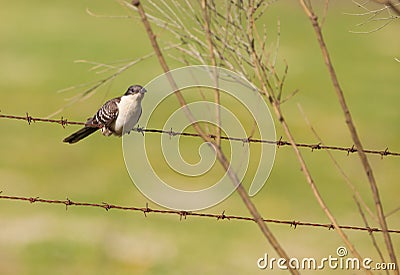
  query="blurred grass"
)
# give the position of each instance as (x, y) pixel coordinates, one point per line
(39, 42)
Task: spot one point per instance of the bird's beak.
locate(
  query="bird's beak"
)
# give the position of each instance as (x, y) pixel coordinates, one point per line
(143, 90)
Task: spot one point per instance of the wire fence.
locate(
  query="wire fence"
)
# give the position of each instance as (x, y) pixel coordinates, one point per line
(280, 143)
(184, 214)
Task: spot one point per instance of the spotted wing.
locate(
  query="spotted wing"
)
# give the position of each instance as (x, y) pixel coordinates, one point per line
(106, 115)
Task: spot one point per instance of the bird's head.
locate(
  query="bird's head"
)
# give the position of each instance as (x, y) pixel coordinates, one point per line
(135, 90)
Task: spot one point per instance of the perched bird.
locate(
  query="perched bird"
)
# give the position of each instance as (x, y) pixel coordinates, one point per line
(117, 116)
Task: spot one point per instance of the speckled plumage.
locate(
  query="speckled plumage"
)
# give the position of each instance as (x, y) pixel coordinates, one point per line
(117, 116)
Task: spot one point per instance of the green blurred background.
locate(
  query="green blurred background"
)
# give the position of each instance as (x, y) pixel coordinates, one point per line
(39, 42)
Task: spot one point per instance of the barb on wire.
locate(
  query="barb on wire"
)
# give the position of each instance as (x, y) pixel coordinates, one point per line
(184, 214)
(313, 146)
(63, 122)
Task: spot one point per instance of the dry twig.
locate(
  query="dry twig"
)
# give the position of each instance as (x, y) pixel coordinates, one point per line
(220, 154)
(307, 7)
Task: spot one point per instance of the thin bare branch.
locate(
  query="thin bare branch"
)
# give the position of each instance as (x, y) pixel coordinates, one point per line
(220, 155)
(268, 91)
(386, 13)
(356, 195)
(373, 239)
(217, 96)
(352, 129)
(393, 212)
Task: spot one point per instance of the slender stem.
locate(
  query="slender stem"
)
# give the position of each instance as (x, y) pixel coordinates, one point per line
(371, 234)
(276, 106)
(353, 131)
(217, 97)
(163, 63)
(220, 155)
(253, 210)
(356, 195)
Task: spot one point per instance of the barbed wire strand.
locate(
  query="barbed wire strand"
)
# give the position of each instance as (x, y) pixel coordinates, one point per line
(184, 214)
(280, 143)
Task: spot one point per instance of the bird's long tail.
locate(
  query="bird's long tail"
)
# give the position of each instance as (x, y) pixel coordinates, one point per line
(82, 133)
